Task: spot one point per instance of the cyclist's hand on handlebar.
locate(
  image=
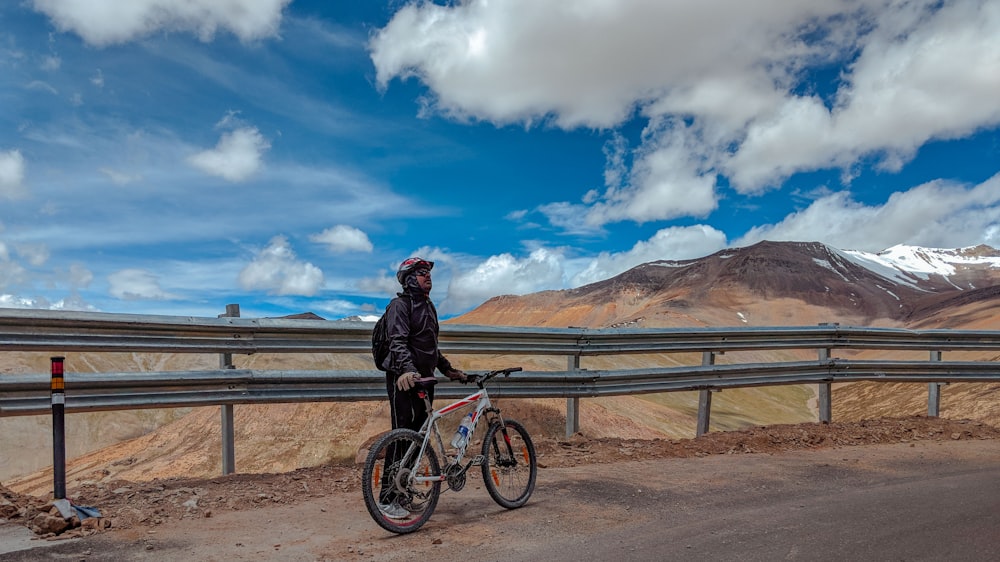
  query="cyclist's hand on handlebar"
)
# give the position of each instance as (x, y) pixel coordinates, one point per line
(457, 375)
(406, 381)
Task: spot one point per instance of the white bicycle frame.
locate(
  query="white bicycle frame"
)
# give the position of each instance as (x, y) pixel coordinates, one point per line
(482, 401)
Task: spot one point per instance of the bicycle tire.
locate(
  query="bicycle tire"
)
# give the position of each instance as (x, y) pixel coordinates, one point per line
(509, 464)
(380, 479)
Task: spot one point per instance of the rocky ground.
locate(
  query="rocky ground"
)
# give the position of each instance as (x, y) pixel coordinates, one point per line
(146, 505)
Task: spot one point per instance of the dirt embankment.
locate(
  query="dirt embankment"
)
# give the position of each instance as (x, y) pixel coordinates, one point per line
(148, 504)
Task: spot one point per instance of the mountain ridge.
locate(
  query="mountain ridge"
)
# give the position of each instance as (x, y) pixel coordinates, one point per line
(728, 287)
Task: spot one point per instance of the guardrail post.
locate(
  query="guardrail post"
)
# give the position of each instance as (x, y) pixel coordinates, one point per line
(58, 391)
(705, 398)
(228, 430)
(573, 403)
(934, 392)
(825, 393)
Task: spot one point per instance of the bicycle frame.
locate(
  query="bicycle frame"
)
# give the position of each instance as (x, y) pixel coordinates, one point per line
(482, 401)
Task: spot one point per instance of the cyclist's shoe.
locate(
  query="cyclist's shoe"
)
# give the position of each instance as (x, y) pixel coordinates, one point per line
(393, 510)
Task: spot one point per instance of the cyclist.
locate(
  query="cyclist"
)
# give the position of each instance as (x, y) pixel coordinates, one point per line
(412, 325)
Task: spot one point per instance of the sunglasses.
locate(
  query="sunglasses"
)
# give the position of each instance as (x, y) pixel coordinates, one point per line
(422, 272)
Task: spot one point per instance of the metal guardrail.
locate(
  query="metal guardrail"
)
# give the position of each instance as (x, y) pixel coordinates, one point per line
(64, 332)
(28, 395)
(42, 330)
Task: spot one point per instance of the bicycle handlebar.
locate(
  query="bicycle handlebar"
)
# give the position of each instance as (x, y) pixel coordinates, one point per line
(482, 378)
(473, 378)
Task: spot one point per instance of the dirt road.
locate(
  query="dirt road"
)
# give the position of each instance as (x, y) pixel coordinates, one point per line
(913, 500)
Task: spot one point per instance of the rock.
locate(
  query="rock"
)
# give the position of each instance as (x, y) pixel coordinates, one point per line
(8, 510)
(362, 456)
(45, 523)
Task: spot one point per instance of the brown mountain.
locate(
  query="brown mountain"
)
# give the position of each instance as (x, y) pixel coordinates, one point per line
(769, 283)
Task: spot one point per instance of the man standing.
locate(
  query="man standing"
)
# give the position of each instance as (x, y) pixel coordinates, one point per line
(412, 325)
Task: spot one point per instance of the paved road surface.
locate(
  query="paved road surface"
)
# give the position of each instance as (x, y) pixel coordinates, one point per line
(928, 501)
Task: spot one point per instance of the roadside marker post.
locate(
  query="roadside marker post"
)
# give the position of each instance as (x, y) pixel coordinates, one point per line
(58, 391)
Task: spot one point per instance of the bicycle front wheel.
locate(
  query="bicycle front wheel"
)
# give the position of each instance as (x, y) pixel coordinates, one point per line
(509, 464)
(395, 500)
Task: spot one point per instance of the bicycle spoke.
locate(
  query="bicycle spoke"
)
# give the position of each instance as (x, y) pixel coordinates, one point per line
(510, 466)
(393, 497)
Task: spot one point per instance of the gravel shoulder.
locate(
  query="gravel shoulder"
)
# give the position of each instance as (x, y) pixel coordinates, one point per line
(586, 488)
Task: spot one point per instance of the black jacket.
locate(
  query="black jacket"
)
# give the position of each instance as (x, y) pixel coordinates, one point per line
(412, 323)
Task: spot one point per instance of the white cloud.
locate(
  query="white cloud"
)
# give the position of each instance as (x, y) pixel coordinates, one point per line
(336, 308)
(108, 22)
(237, 156)
(523, 60)
(551, 269)
(934, 215)
(505, 275)
(12, 168)
(341, 239)
(721, 83)
(921, 75)
(277, 270)
(136, 284)
(51, 62)
(668, 180)
(42, 86)
(71, 302)
(79, 276)
(675, 243)
(36, 253)
(11, 273)
(14, 301)
(381, 285)
(120, 178)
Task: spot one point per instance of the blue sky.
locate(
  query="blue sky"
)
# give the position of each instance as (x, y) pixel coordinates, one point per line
(173, 156)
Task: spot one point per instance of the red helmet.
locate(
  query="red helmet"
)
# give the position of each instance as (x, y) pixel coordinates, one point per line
(410, 264)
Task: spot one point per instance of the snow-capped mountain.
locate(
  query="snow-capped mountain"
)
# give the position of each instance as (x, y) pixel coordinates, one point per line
(769, 283)
(913, 264)
(361, 318)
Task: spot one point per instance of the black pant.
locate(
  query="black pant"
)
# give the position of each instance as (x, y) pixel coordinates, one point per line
(407, 410)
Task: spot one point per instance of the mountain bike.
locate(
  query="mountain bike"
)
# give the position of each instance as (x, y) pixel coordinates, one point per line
(403, 474)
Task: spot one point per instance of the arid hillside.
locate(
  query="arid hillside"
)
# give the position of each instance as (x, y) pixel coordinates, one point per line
(784, 284)
(767, 284)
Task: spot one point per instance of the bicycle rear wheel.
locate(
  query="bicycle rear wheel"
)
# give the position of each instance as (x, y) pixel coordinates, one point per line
(509, 464)
(393, 499)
